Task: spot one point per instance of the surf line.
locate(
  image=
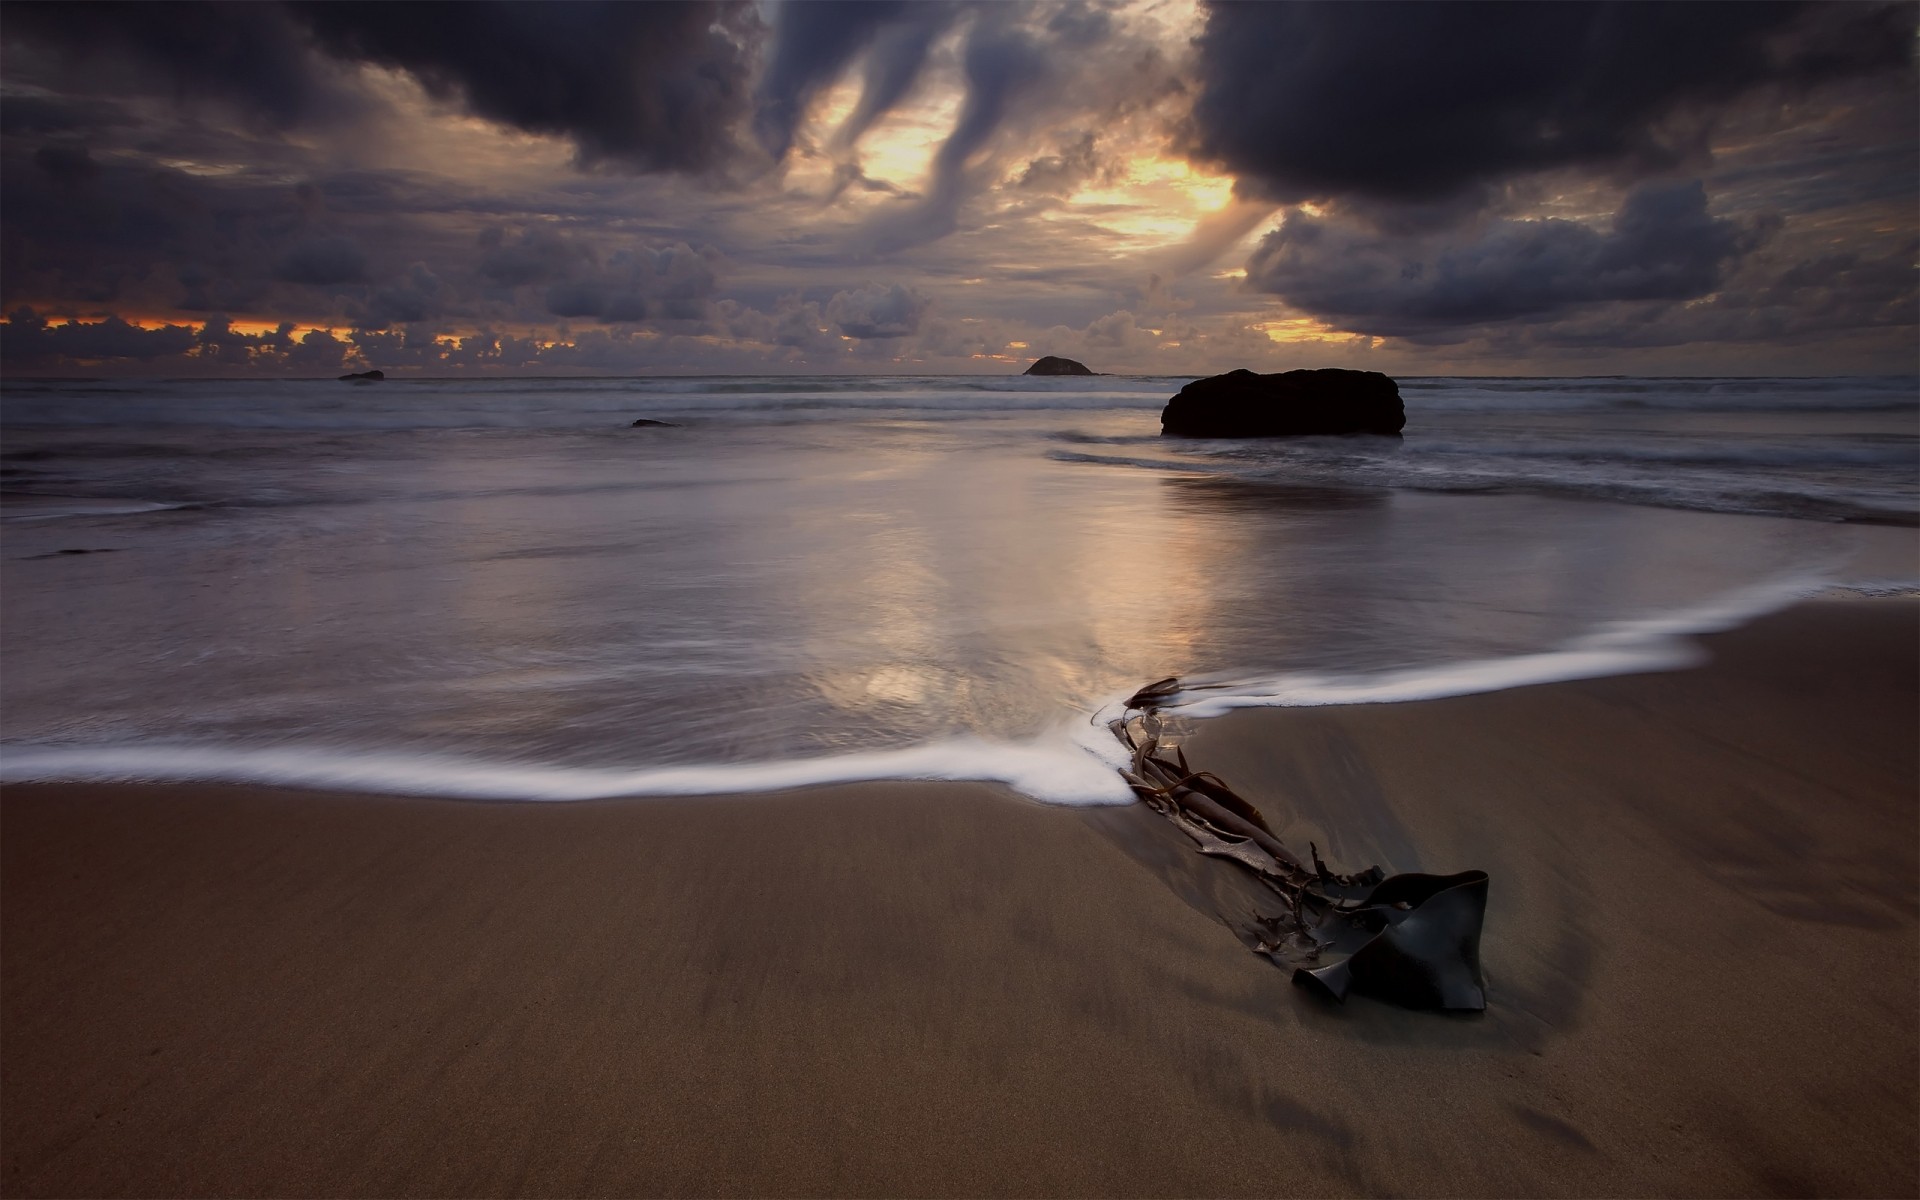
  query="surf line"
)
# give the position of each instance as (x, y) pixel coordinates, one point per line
(1411, 939)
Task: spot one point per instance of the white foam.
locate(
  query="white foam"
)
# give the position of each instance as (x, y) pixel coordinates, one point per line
(1622, 648)
(1055, 769)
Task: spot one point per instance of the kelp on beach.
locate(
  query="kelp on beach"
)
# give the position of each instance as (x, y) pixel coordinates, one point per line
(1411, 939)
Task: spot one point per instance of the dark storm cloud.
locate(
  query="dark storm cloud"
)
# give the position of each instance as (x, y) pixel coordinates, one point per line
(1001, 63)
(1860, 309)
(414, 297)
(69, 163)
(248, 56)
(79, 230)
(657, 86)
(219, 341)
(1664, 245)
(205, 289)
(28, 337)
(539, 254)
(30, 114)
(1423, 102)
(673, 283)
(1796, 299)
(813, 43)
(323, 261)
(651, 86)
(899, 52)
(84, 230)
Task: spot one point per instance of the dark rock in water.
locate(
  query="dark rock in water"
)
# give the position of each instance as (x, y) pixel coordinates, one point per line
(364, 377)
(644, 422)
(64, 553)
(1289, 404)
(1050, 365)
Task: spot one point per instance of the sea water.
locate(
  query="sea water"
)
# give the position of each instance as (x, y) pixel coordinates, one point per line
(502, 588)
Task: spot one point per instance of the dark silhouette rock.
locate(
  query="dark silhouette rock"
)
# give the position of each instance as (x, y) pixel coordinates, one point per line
(1289, 404)
(1049, 365)
(644, 422)
(364, 377)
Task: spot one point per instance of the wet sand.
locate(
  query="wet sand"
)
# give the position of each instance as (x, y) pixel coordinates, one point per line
(1701, 957)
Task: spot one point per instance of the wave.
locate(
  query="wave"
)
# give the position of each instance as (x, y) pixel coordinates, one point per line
(1058, 770)
(403, 403)
(1632, 647)
(35, 506)
(1723, 453)
(1076, 764)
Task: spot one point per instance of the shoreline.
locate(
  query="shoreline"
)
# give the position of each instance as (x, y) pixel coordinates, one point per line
(1700, 951)
(1073, 766)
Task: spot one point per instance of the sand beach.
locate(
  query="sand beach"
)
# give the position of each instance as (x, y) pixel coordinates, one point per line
(1700, 952)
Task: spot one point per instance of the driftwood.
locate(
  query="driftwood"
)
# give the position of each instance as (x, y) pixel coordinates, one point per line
(1411, 939)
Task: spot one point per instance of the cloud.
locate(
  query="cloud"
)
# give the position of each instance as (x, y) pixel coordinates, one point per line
(1001, 63)
(249, 57)
(653, 87)
(813, 43)
(664, 283)
(31, 114)
(1421, 102)
(351, 188)
(1077, 161)
(27, 337)
(219, 341)
(319, 350)
(540, 254)
(1663, 246)
(1783, 301)
(894, 65)
(69, 163)
(206, 290)
(412, 299)
(877, 312)
(323, 261)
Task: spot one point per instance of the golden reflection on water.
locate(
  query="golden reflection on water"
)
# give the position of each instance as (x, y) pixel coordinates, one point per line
(934, 574)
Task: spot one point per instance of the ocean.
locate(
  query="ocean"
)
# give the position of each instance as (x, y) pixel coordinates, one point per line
(501, 589)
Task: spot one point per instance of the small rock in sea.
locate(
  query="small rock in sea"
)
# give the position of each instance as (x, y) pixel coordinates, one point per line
(364, 377)
(1289, 404)
(64, 553)
(1050, 365)
(642, 422)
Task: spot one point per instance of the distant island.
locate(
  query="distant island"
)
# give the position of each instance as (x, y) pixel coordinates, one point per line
(1050, 365)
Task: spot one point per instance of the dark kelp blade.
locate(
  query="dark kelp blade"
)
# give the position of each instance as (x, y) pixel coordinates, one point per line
(1411, 939)
(1429, 957)
(1150, 695)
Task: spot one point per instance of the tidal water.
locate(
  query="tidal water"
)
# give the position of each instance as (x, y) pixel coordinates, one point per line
(500, 588)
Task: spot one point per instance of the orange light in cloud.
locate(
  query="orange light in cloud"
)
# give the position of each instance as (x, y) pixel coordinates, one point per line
(1300, 329)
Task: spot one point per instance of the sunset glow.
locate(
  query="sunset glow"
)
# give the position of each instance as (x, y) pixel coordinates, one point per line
(935, 185)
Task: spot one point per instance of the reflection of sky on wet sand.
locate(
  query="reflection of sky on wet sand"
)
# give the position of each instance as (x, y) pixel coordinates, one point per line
(746, 594)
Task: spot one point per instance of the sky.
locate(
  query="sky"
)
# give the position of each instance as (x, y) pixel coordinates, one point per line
(1147, 186)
